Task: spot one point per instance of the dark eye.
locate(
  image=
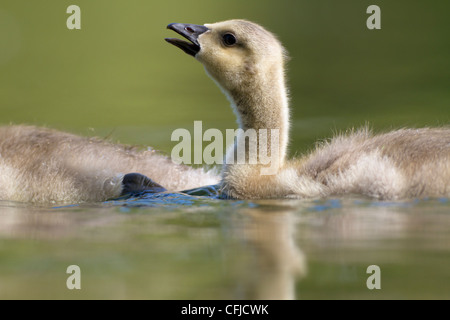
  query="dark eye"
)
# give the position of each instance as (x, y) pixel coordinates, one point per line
(229, 39)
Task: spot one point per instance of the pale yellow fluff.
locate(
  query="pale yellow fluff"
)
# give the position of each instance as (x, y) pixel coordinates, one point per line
(401, 164)
(41, 165)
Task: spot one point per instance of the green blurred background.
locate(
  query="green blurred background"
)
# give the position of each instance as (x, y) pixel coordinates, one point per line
(117, 78)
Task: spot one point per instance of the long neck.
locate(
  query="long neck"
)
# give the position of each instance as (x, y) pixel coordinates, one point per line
(262, 104)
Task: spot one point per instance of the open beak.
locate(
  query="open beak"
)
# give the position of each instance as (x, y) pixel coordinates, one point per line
(191, 33)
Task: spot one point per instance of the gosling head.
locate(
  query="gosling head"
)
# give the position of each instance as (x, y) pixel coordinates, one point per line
(233, 52)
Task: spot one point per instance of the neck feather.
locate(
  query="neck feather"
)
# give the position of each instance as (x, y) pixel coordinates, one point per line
(262, 104)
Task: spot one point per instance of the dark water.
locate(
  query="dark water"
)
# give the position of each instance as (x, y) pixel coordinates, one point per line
(117, 78)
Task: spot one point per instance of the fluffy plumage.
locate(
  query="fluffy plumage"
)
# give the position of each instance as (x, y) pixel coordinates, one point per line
(405, 163)
(41, 165)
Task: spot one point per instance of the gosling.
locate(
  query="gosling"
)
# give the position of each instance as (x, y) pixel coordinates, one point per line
(45, 166)
(248, 64)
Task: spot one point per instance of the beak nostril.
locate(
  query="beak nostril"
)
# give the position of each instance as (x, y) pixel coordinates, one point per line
(191, 32)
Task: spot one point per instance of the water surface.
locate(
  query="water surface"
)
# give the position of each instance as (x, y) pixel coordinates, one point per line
(177, 246)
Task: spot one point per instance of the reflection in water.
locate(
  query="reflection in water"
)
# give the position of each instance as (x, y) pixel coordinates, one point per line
(25, 221)
(274, 261)
(367, 221)
(180, 246)
(261, 246)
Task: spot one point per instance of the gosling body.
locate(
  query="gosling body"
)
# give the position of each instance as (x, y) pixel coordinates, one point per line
(248, 64)
(43, 166)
